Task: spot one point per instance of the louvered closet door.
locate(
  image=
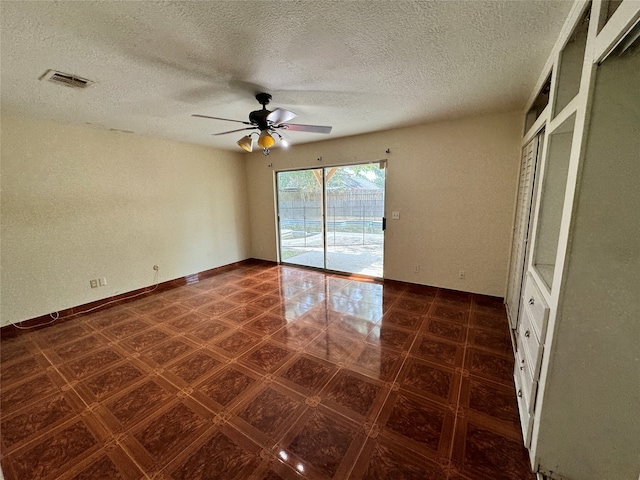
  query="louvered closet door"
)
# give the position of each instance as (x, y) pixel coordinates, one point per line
(521, 229)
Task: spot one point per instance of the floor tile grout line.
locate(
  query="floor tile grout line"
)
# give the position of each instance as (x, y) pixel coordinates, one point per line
(457, 412)
(106, 427)
(307, 407)
(337, 372)
(41, 435)
(302, 410)
(405, 356)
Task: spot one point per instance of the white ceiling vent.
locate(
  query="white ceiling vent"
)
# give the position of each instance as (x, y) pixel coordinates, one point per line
(66, 79)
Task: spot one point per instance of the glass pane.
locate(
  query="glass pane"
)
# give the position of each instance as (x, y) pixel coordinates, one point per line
(355, 207)
(570, 68)
(300, 210)
(553, 191)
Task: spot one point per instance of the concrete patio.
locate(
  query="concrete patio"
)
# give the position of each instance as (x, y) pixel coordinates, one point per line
(346, 252)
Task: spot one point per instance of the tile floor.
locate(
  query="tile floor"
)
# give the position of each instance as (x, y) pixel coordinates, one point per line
(267, 372)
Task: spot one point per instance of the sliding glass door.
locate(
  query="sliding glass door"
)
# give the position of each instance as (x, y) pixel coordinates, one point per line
(332, 218)
(300, 213)
(354, 198)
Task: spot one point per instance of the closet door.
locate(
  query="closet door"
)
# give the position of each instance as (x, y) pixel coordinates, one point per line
(520, 239)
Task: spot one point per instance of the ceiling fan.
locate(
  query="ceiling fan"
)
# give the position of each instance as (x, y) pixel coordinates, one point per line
(268, 123)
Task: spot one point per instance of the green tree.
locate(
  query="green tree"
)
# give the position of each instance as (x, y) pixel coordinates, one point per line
(307, 182)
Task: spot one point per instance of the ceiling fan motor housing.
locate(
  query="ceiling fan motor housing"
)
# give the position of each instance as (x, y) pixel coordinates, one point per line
(259, 117)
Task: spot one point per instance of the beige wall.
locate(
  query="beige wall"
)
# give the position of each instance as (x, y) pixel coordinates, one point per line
(452, 182)
(80, 203)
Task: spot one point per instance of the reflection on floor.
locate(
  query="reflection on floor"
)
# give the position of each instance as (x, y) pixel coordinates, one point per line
(267, 372)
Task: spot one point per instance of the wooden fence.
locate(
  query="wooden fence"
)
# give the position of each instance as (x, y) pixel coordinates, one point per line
(365, 204)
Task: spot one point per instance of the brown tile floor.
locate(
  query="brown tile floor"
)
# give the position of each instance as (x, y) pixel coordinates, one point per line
(267, 372)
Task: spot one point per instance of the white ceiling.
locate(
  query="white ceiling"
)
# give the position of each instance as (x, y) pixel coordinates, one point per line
(359, 66)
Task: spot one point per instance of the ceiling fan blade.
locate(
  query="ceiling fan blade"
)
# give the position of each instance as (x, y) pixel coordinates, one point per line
(296, 127)
(280, 115)
(233, 131)
(218, 118)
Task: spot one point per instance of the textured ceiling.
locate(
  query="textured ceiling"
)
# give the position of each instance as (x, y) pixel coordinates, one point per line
(359, 66)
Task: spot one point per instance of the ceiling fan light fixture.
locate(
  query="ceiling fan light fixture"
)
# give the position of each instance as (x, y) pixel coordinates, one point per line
(283, 141)
(266, 141)
(246, 143)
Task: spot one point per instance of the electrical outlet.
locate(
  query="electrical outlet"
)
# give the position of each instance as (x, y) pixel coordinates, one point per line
(395, 215)
(461, 275)
(102, 281)
(416, 268)
(93, 283)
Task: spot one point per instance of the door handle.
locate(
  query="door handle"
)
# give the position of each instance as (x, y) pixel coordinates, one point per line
(384, 223)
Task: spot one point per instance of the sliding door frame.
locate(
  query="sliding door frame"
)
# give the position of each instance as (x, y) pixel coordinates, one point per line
(279, 225)
(323, 215)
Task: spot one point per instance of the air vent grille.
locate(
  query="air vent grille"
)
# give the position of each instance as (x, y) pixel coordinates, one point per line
(66, 79)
